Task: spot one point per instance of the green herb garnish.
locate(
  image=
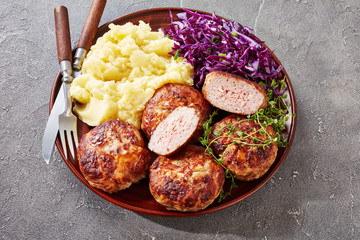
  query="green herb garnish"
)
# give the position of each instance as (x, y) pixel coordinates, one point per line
(205, 141)
(214, 39)
(207, 125)
(176, 54)
(276, 113)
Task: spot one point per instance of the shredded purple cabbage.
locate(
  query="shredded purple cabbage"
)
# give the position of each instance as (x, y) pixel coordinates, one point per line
(210, 43)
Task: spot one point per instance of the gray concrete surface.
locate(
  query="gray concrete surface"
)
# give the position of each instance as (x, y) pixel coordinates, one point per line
(314, 195)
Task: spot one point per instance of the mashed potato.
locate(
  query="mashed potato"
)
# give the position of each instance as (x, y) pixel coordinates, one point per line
(122, 71)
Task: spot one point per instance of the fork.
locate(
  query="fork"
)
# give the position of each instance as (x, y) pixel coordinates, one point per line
(67, 120)
(68, 125)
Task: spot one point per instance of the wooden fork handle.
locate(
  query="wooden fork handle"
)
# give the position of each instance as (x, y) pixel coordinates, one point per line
(62, 33)
(91, 24)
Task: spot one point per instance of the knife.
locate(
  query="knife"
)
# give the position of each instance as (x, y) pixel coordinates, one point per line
(86, 37)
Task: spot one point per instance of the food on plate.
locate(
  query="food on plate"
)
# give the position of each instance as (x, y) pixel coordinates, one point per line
(233, 93)
(188, 181)
(174, 131)
(144, 79)
(112, 156)
(167, 99)
(247, 148)
(211, 43)
(122, 71)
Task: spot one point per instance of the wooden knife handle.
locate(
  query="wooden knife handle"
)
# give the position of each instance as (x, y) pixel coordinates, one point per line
(62, 33)
(91, 24)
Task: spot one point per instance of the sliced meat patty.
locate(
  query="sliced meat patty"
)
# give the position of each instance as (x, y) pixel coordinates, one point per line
(233, 93)
(188, 181)
(169, 97)
(244, 158)
(112, 156)
(174, 131)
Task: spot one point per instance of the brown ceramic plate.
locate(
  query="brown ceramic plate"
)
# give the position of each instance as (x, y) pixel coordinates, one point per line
(138, 198)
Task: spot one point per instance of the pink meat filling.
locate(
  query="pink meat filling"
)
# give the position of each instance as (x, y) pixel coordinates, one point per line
(235, 96)
(174, 131)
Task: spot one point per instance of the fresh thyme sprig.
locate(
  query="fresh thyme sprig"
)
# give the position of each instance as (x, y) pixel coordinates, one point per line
(205, 141)
(207, 125)
(245, 138)
(233, 185)
(276, 113)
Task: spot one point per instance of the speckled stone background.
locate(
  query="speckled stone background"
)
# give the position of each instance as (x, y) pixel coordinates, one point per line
(314, 195)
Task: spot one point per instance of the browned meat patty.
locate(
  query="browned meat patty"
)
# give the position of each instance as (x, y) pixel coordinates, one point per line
(233, 93)
(112, 156)
(247, 162)
(169, 97)
(188, 181)
(174, 131)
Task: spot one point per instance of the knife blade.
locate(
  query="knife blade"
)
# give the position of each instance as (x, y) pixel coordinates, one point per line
(52, 126)
(86, 37)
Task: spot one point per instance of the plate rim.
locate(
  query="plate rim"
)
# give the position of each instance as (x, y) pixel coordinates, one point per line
(105, 196)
